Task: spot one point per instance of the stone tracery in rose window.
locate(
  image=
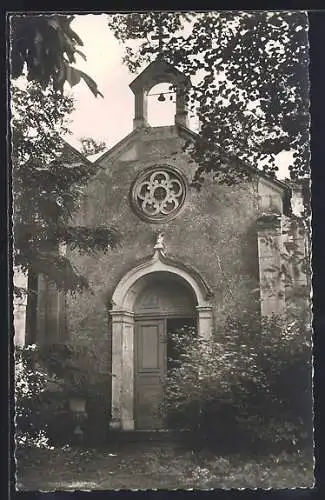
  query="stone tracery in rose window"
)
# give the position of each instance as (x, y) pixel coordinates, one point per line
(159, 193)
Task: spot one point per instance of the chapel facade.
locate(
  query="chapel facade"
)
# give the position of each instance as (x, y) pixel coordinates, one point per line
(187, 257)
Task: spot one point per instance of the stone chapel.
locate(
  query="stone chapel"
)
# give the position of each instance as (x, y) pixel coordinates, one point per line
(187, 256)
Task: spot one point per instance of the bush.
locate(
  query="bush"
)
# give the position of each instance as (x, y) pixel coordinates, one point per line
(248, 385)
(46, 378)
(30, 385)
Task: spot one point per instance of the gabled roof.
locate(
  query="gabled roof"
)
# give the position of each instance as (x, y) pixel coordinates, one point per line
(158, 71)
(67, 148)
(128, 139)
(188, 134)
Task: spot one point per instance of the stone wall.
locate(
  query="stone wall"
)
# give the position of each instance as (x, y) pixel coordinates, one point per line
(215, 233)
(218, 233)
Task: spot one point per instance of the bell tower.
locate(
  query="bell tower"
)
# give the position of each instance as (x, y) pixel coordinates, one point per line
(159, 71)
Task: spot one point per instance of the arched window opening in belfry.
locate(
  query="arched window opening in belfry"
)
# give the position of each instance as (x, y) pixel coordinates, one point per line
(161, 105)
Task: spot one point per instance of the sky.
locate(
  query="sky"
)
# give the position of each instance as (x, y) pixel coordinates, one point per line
(109, 119)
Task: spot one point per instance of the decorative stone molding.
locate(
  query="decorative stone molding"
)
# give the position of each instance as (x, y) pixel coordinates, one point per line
(269, 239)
(160, 244)
(205, 321)
(122, 314)
(122, 369)
(123, 297)
(159, 71)
(270, 220)
(158, 193)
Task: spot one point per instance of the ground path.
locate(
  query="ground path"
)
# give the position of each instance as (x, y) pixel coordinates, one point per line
(155, 466)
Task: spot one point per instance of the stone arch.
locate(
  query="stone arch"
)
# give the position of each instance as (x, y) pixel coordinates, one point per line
(129, 285)
(161, 111)
(122, 314)
(164, 294)
(159, 71)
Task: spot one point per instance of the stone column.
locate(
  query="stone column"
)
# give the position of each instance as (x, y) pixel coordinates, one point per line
(181, 117)
(204, 321)
(127, 395)
(19, 322)
(272, 287)
(140, 110)
(19, 307)
(122, 370)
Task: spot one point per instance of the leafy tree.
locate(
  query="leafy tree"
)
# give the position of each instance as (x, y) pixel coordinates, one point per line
(46, 189)
(45, 47)
(91, 147)
(250, 82)
(249, 73)
(46, 378)
(241, 385)
(30, 387)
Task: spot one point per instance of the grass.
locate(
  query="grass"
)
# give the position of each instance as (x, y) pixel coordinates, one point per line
(152, 466)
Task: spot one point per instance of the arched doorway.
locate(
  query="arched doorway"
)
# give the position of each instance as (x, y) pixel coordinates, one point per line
(165, 305)
(156, 295)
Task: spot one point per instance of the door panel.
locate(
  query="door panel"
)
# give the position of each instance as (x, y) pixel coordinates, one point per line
(150, 370)
(148, 353)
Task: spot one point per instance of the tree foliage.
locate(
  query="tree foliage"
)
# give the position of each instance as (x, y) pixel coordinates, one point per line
(45, 47)
(30, 387)
(91, 147)
(242, 383)
(249, 72)
(46, 378)
(46, 189)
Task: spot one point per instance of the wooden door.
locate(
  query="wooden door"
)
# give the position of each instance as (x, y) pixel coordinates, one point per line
(150, 370)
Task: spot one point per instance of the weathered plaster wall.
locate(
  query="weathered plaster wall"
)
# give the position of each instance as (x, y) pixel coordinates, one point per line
(215, 233)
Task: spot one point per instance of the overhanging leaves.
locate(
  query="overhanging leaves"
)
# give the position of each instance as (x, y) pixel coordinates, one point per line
(250, 81)
(47, 184)
(46, 47)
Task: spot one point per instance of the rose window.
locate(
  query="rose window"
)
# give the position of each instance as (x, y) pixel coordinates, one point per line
(158, 193)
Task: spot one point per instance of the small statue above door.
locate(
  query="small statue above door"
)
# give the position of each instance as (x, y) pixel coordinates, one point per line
(160, 243)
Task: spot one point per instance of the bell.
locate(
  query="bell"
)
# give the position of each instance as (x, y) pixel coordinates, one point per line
(161, 98)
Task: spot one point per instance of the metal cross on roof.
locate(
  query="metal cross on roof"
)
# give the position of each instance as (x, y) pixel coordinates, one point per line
(160, 37)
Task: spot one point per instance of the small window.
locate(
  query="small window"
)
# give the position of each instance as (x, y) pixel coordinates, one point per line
(158, 193)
